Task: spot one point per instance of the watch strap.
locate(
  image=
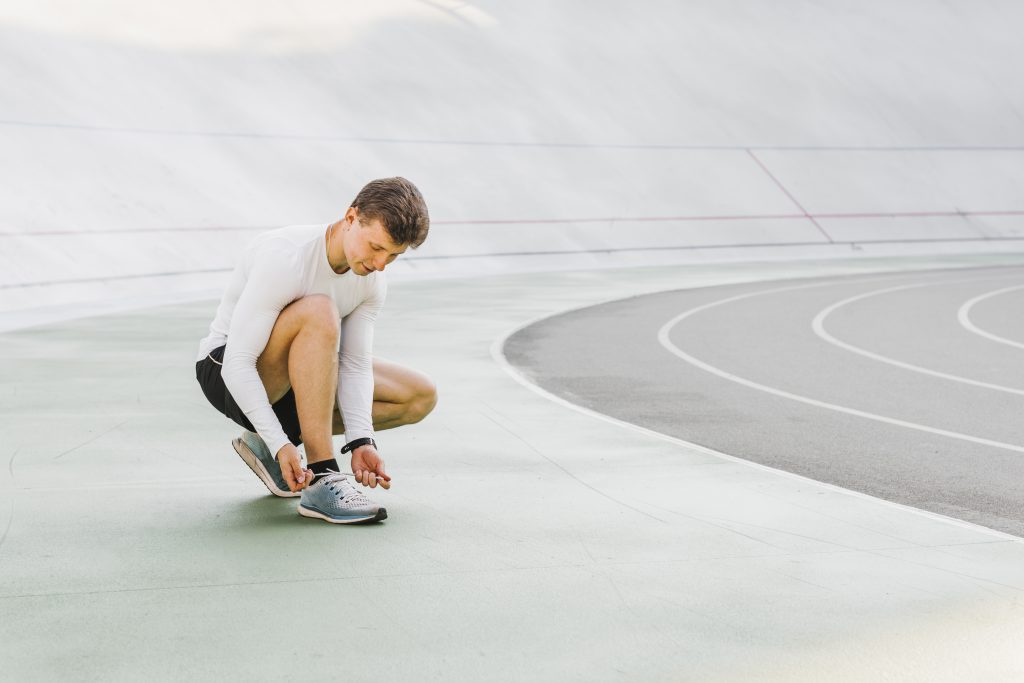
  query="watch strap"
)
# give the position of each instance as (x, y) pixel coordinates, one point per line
(352, 445)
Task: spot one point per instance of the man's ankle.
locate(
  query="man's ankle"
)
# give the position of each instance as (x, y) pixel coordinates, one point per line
(322, 468)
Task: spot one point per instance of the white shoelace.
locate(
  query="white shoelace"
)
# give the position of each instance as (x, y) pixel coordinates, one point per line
(348, 489)
(345, 474)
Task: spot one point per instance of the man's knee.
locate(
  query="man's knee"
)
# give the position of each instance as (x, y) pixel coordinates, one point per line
(317, 311)
(424, 399)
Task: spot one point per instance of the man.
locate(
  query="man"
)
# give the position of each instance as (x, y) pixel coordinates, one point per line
(289, 353)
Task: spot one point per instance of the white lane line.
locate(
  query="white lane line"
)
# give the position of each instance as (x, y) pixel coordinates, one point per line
(964, 316)
(498, 355)
(818, 325)
(663, 338)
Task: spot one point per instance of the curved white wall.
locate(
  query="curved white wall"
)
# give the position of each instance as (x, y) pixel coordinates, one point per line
(143, 143)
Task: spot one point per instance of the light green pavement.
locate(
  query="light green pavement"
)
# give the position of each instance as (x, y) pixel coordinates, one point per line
(526, 540)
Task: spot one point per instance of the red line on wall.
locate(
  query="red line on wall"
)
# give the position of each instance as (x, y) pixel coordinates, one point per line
(558, 221)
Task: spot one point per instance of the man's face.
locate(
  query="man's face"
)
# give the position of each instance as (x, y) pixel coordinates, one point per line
(368, 246)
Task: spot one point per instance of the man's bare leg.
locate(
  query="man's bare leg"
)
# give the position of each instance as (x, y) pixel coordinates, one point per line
(401, 396)
(301, 354)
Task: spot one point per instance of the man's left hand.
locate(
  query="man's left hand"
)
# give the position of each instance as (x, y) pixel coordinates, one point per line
(369, 468)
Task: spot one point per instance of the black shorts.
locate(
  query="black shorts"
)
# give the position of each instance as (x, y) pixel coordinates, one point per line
(208, 374)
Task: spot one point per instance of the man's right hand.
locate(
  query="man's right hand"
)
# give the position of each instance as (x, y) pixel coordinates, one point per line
(291, 468)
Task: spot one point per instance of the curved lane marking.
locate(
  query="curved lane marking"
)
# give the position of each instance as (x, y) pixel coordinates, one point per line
(498, 355)
(818, 325)
(663, 339)
(964, 316)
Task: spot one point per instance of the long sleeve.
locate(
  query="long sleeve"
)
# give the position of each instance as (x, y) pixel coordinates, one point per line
(355, 364)
(272, 283)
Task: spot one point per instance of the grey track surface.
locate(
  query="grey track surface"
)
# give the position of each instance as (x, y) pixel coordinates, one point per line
(608, 358)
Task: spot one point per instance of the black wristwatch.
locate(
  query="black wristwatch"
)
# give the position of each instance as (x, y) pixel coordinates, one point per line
(352, 445)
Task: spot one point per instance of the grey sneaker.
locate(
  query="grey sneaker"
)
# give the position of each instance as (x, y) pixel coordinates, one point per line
(261, 461)
(336, 500)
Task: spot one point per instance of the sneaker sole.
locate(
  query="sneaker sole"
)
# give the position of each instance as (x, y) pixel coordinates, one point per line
(260, 471)
(380, 516)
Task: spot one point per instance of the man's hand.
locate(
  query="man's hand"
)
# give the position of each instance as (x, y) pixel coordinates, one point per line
(369, 468)
(291, 468)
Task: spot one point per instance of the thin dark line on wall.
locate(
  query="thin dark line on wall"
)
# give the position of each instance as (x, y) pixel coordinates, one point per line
(692, 247)
(111, 278)
(556, 221)
(778, 184)
(254, 135)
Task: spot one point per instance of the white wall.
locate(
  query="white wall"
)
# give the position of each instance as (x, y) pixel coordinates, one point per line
(145, 143)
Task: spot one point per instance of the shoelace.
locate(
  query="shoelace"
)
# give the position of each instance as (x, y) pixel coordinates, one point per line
(346, 474)
(347, 489)
(349, 474)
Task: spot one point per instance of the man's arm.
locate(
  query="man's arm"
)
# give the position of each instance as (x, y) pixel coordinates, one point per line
(355, 378)
(355, 365)
(270, 286)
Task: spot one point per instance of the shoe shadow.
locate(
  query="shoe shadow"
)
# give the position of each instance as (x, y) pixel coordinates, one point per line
(274, 512)
(265, 512)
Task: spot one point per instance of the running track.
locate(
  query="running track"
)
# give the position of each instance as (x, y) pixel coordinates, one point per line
(909, 387)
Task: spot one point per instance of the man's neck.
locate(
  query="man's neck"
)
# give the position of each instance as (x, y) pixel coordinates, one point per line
(336, 249)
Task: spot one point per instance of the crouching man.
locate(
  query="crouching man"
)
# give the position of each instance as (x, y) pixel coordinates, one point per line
(289, 353)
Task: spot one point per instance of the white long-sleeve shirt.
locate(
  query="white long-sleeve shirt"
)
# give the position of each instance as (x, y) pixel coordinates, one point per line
(279, 267)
